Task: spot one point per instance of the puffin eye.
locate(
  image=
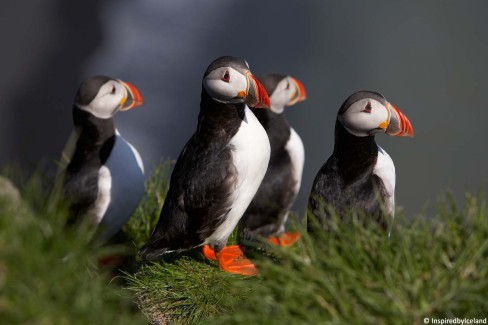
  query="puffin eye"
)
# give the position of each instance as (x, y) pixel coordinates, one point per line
(287, 85)
(226, 76)
(367, 108)
(113, 90)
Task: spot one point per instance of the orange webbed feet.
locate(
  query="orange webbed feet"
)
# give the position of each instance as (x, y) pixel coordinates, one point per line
(209, 253)
(285, 239)
(231, 259)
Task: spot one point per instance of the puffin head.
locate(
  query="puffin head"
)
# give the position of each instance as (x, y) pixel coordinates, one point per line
(103, 96)
(228, 80)
(366, 113)
(283, 91)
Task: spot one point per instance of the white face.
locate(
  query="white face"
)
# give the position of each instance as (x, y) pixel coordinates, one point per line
(226, 85)
(284, 92)
(365, 117)
(110, 97)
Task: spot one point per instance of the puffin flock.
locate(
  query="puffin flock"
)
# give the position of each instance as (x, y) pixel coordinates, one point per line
(241, 168)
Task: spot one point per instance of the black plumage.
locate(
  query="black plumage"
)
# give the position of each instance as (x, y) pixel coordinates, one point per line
(359, 176)
(104, 179)
(218, 172)
(201, 183)
(95, 140)
(346, 181)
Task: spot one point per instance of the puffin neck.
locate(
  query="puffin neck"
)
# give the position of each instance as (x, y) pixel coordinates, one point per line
(96, 137)
(354, 154)
(269, 118)
(219, 119)
(276, 127)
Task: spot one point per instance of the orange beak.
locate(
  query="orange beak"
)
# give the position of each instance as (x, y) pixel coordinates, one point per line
(399, 124)
(256, 97)
(300, 92)
(133, 99)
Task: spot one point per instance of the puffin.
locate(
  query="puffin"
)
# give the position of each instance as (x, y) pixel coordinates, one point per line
(267, 214)
(218, 171)
(359, 175)
(104, 178)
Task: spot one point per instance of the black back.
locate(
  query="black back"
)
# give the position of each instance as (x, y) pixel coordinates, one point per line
(202, 182)
(96, 138)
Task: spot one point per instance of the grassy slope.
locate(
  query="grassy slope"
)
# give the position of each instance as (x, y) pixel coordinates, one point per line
(431, 267)
(354, 274)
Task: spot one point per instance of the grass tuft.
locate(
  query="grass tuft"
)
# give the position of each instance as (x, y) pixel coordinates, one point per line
(186, 291)
(145, 218)
(48, 272)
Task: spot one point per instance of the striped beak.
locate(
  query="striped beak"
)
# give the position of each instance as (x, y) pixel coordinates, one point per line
(256, 95)
(133, 98)
(399, 125)
(299, 94)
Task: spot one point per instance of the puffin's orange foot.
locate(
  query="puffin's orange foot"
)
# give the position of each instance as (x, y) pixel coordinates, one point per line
(228, 251)
(231, 259)
(285, 239)
(209, 253)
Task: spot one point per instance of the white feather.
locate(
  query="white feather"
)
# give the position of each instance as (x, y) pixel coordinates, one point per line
(250, 155)
(385, 169)
(295, 149)
(103, 198)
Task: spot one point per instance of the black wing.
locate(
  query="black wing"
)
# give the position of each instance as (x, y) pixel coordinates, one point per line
(364, 194)
(81, 189)
(198, 198)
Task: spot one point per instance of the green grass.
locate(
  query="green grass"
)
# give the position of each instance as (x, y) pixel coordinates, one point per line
(353, 274)
(142, 223)
(49, 273)
(432, 266)
(185, 291)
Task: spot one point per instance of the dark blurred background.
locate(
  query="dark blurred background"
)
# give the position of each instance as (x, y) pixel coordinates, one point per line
(429, 58)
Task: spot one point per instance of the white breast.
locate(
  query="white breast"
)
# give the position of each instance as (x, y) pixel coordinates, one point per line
(104, 193)
(250, 156)
(385, 169)
(295, 149)
(120, 186)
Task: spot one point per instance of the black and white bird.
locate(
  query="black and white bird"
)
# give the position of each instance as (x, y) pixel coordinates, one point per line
(219, 170)
(360, 175)
(104, 179)
(267, 214)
